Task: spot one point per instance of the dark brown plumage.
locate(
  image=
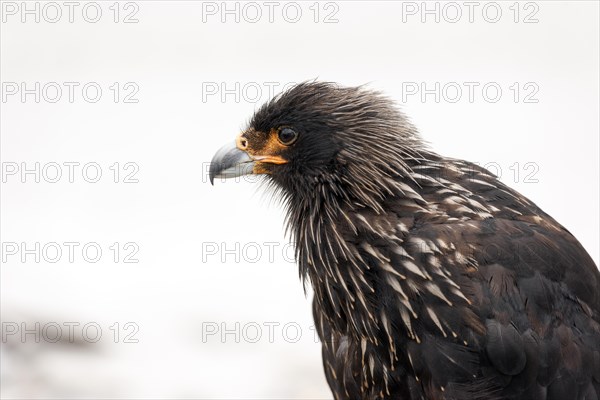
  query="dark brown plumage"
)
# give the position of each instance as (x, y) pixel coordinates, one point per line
(432, 279)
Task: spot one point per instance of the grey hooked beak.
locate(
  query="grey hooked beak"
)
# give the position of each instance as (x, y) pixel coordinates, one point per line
(230, 162)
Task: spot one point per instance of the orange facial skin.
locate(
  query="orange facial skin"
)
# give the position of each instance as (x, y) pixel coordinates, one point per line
(264, 148)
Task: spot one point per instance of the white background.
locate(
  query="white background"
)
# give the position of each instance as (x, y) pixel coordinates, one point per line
(177, 55)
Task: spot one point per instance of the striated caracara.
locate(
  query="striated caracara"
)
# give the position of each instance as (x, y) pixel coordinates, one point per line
(431, 278)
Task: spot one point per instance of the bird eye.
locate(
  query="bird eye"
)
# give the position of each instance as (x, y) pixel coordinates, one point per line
(287, 136)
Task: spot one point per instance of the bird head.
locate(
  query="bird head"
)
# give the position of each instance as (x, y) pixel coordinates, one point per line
(318, 133)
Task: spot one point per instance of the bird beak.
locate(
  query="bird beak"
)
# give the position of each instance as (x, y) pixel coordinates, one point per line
(230, 162)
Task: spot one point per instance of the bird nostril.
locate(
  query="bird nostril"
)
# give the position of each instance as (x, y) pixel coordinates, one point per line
(242, 143)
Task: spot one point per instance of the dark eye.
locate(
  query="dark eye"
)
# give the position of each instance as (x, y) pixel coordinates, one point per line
(287, 136)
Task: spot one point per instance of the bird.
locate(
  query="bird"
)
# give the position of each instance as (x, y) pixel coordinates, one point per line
(432, 279)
